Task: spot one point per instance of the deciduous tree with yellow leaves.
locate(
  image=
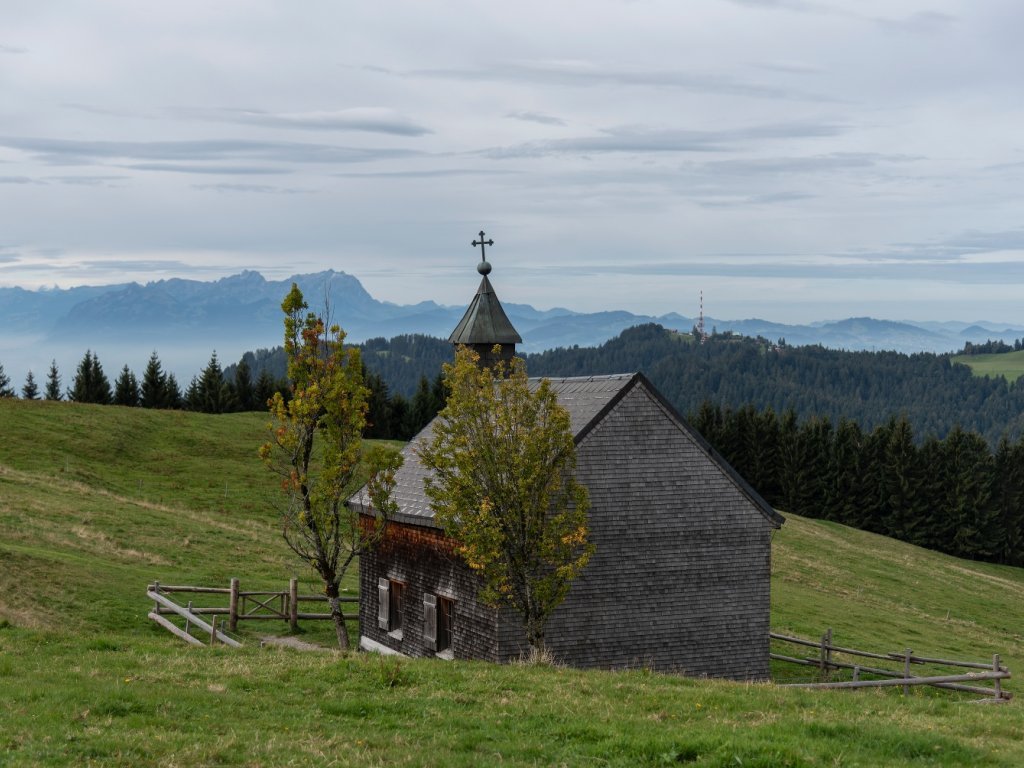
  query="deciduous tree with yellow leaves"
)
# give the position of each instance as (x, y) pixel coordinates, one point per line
(502, 457)
(317, 450)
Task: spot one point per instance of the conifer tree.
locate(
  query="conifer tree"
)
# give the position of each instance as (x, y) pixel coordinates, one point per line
(378, 407)
(422, 408)
(967, 475)
(214, 392)
(1008, 499)
(30, 391)
(91, 384)
(126, 388)
(903, 485)
(766, 459)
(5, 384)
(846, 462)
(81, 387)
(172, 392)
(708, 422)
(53, 383)
(791, 459)
(935, 530)
(193, 398)
(244, 392)
(811, 482)
(873, 506)
(265, 388)
(154, 385)
(399, 411)
(439, 393)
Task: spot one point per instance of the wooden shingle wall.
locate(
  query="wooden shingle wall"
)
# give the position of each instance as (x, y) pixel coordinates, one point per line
(422, 558)
(681, 576)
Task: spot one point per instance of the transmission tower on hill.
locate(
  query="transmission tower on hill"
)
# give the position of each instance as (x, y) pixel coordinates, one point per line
(700, 323)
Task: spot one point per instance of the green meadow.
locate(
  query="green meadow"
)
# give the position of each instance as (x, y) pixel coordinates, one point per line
(1009, 365)
(96, 502)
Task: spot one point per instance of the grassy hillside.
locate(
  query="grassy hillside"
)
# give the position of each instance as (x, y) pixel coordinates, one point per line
(96, 502)
(1010, 365)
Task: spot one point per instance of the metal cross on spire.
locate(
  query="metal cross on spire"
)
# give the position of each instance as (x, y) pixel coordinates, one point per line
(481, 242)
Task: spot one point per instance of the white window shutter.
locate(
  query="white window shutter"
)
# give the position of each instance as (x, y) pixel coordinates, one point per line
(383, 603)
(430, 621)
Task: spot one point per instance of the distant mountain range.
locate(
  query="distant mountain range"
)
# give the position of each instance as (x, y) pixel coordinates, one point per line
(248, 304)
(242, 312)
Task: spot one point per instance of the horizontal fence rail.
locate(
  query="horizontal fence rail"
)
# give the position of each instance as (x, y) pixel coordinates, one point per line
(190, 620)
(251, 605)
(825, 663)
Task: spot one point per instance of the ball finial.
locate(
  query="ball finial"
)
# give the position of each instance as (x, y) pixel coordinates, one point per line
(484, 268)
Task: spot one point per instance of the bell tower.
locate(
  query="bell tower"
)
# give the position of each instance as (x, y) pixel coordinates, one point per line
(485, 323)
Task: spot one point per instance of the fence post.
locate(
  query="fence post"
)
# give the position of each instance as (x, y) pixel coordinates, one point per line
(233, 607)
(826, 653)
(213, 631)
(187, 620)
(156, 589)
(293, 604)
(856, 672)
(906, 669)
(998, 682)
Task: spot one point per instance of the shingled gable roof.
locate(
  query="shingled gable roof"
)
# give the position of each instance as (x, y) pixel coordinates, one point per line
(485, 321)
(588, 399)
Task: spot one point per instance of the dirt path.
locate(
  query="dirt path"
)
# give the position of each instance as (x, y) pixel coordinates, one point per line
(292, 642)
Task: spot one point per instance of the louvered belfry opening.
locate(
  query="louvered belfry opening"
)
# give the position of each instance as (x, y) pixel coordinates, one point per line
(485, 324)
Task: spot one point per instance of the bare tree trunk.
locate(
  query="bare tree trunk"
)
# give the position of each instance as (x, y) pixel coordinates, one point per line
(339, 618)
(535, 637)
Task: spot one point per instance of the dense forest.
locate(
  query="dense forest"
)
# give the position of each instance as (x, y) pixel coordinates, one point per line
(910, 446)
(401, 361)
(219, 390)
(868, 388)
(954, 495)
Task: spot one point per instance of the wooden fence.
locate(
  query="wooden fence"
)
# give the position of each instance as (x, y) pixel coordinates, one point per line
(252, 605)
(826, 663)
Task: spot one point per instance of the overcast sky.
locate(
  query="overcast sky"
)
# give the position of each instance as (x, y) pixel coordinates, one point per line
(796, 160)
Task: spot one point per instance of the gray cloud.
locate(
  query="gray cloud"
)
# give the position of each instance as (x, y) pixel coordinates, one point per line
(78, 152)
(787, 67)
(989, 241)
(798, 6)
(87, 181)
(368, 119)
(18, 180)
(577, 75)
(787, 5)
(140, 265)
(12, 49)
(227, 170)
(102, 111)
(957, 246)
(259, 188)
(917, 22)
(974, 274)
(536, 117)
(836, 161)
(922, 22)
(749, 200)
(639, 139)
(427, 174)
(951, 252)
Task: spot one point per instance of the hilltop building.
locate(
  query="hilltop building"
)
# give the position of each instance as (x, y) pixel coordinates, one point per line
(681, 575)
